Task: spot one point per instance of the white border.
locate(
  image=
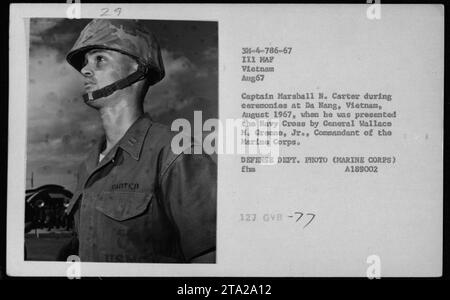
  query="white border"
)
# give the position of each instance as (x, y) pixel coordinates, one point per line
(17, 144)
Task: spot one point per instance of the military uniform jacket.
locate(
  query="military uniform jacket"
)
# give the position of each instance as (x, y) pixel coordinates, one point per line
(143, 202)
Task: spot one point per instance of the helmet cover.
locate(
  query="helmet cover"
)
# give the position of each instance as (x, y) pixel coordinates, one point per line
(129, 37)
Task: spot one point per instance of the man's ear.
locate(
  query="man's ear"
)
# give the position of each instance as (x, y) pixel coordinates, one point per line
(134, 65)
(130, 62)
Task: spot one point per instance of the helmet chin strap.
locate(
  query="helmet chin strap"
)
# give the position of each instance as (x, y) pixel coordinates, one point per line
(138, 75)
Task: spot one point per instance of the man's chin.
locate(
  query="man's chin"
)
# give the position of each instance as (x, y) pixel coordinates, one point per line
(97, 103)
(90, 89)
(101, 102)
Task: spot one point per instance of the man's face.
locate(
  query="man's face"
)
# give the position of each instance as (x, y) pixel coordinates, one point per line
(103, 67)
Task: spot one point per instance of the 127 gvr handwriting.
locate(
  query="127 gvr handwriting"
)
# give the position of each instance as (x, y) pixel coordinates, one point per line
(297, 217)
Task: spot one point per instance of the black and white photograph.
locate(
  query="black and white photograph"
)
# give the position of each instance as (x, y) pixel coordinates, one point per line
(104, 183)
(187, 140)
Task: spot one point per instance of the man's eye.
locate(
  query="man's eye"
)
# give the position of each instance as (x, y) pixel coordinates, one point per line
(100, 59)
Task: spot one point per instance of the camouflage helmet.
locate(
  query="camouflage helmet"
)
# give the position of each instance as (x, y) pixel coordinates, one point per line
(129, 37)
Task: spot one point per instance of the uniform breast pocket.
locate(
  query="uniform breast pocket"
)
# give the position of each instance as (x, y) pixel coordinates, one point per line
(122, 206)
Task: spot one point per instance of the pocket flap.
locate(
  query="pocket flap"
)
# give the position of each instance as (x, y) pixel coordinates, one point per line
(121, 206)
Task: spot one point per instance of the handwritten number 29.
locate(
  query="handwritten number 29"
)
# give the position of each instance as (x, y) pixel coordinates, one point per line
(106, 12)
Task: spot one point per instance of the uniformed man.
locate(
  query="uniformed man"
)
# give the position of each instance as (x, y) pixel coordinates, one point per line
(136, 200)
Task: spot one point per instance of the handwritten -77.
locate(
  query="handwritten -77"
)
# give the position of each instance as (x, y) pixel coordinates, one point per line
(299, 216)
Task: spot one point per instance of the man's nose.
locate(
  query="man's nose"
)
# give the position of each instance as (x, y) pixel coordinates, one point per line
(87, 71)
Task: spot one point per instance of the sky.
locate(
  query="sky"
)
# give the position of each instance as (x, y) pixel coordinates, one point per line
(61, 129)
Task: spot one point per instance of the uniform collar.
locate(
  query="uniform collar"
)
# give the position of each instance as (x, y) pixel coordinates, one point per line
(133, 140)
